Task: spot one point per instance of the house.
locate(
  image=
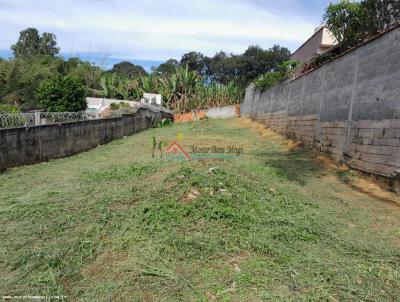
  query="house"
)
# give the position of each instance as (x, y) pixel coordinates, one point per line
(321, 41)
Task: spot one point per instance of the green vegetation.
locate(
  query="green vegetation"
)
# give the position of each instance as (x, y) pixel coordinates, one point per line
(20, 78)
(268, 80)
(62, 94)
(127, 69)
(240, 69)
(182, 91)
(286, 70)
(6, 109)
(113, 224)
(120, 106)
(30, 44)
(194, 82)
(353, 22)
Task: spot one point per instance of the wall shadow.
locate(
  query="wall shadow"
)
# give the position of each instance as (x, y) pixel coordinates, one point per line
(297, 165)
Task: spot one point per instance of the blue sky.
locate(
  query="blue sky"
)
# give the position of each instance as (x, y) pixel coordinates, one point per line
(150, 31)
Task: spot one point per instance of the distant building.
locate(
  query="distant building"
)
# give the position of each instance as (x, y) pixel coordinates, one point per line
(318, 43)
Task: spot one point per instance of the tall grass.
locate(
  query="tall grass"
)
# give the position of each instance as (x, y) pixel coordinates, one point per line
(182, 91)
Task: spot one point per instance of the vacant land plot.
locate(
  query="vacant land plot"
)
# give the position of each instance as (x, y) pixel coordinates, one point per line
(113, 224)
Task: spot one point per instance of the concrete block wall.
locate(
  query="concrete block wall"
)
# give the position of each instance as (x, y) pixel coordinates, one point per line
(349, 107)
(21, 146)
(223, 112)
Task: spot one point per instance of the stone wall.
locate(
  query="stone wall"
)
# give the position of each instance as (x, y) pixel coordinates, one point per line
(349, 107)
(21, 146)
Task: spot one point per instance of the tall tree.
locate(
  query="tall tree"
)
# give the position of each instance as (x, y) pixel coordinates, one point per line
(168, 67)
(128, 69)
(222, 68)
(195, 61)
(256, 61)
(345, 20)
(31, 44)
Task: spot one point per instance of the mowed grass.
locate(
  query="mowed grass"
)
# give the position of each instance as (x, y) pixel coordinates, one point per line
(113, 224)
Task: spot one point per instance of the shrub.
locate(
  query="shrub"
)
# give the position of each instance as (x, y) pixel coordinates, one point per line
(164, 123)
(114, 106)
(268, 80)
(120, 106)
(62, 94)
(7, 109)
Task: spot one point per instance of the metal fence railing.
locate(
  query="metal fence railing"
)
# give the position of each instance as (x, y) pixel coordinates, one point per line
(46, 118)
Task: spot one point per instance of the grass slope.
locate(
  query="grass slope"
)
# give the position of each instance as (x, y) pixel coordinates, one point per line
(113, 224)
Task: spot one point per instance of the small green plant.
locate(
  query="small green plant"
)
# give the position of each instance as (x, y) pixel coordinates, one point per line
(114, 106)
(345, 176)
(120, 106)
(7, 109)
(166, 122)
(157, 146)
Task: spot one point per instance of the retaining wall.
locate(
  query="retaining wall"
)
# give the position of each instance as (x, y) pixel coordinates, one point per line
(223, 112)
(21, 146)
(349, 107)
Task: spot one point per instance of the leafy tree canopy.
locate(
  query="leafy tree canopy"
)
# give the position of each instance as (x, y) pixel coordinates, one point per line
(128, 69)
(31, 44)
(62, 94)
(241, 69)
(168, 67)
(353, 22)
(195, 61)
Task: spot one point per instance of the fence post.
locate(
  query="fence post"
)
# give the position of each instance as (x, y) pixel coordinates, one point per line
(37, 118)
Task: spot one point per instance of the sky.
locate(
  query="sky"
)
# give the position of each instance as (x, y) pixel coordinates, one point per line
(150, 31)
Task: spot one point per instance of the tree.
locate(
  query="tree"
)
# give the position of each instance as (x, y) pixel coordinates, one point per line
(345, 20)
(380, 14)
(195, 61)
(128, 69)
(222, 68)
(31, 44)
(353, 22)
(256, 61)
(89, 74)
(62, 94)
(168, 67)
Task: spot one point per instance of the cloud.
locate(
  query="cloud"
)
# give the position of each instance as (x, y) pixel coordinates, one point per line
(158, 29)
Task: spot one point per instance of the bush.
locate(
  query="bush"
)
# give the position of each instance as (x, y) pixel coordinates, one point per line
(7, 109)
(62, 94)
(268, 80)
(120, 106)
(114, 106)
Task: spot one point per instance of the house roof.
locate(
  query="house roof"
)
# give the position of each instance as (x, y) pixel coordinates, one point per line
(314, 34)
(383, 32)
